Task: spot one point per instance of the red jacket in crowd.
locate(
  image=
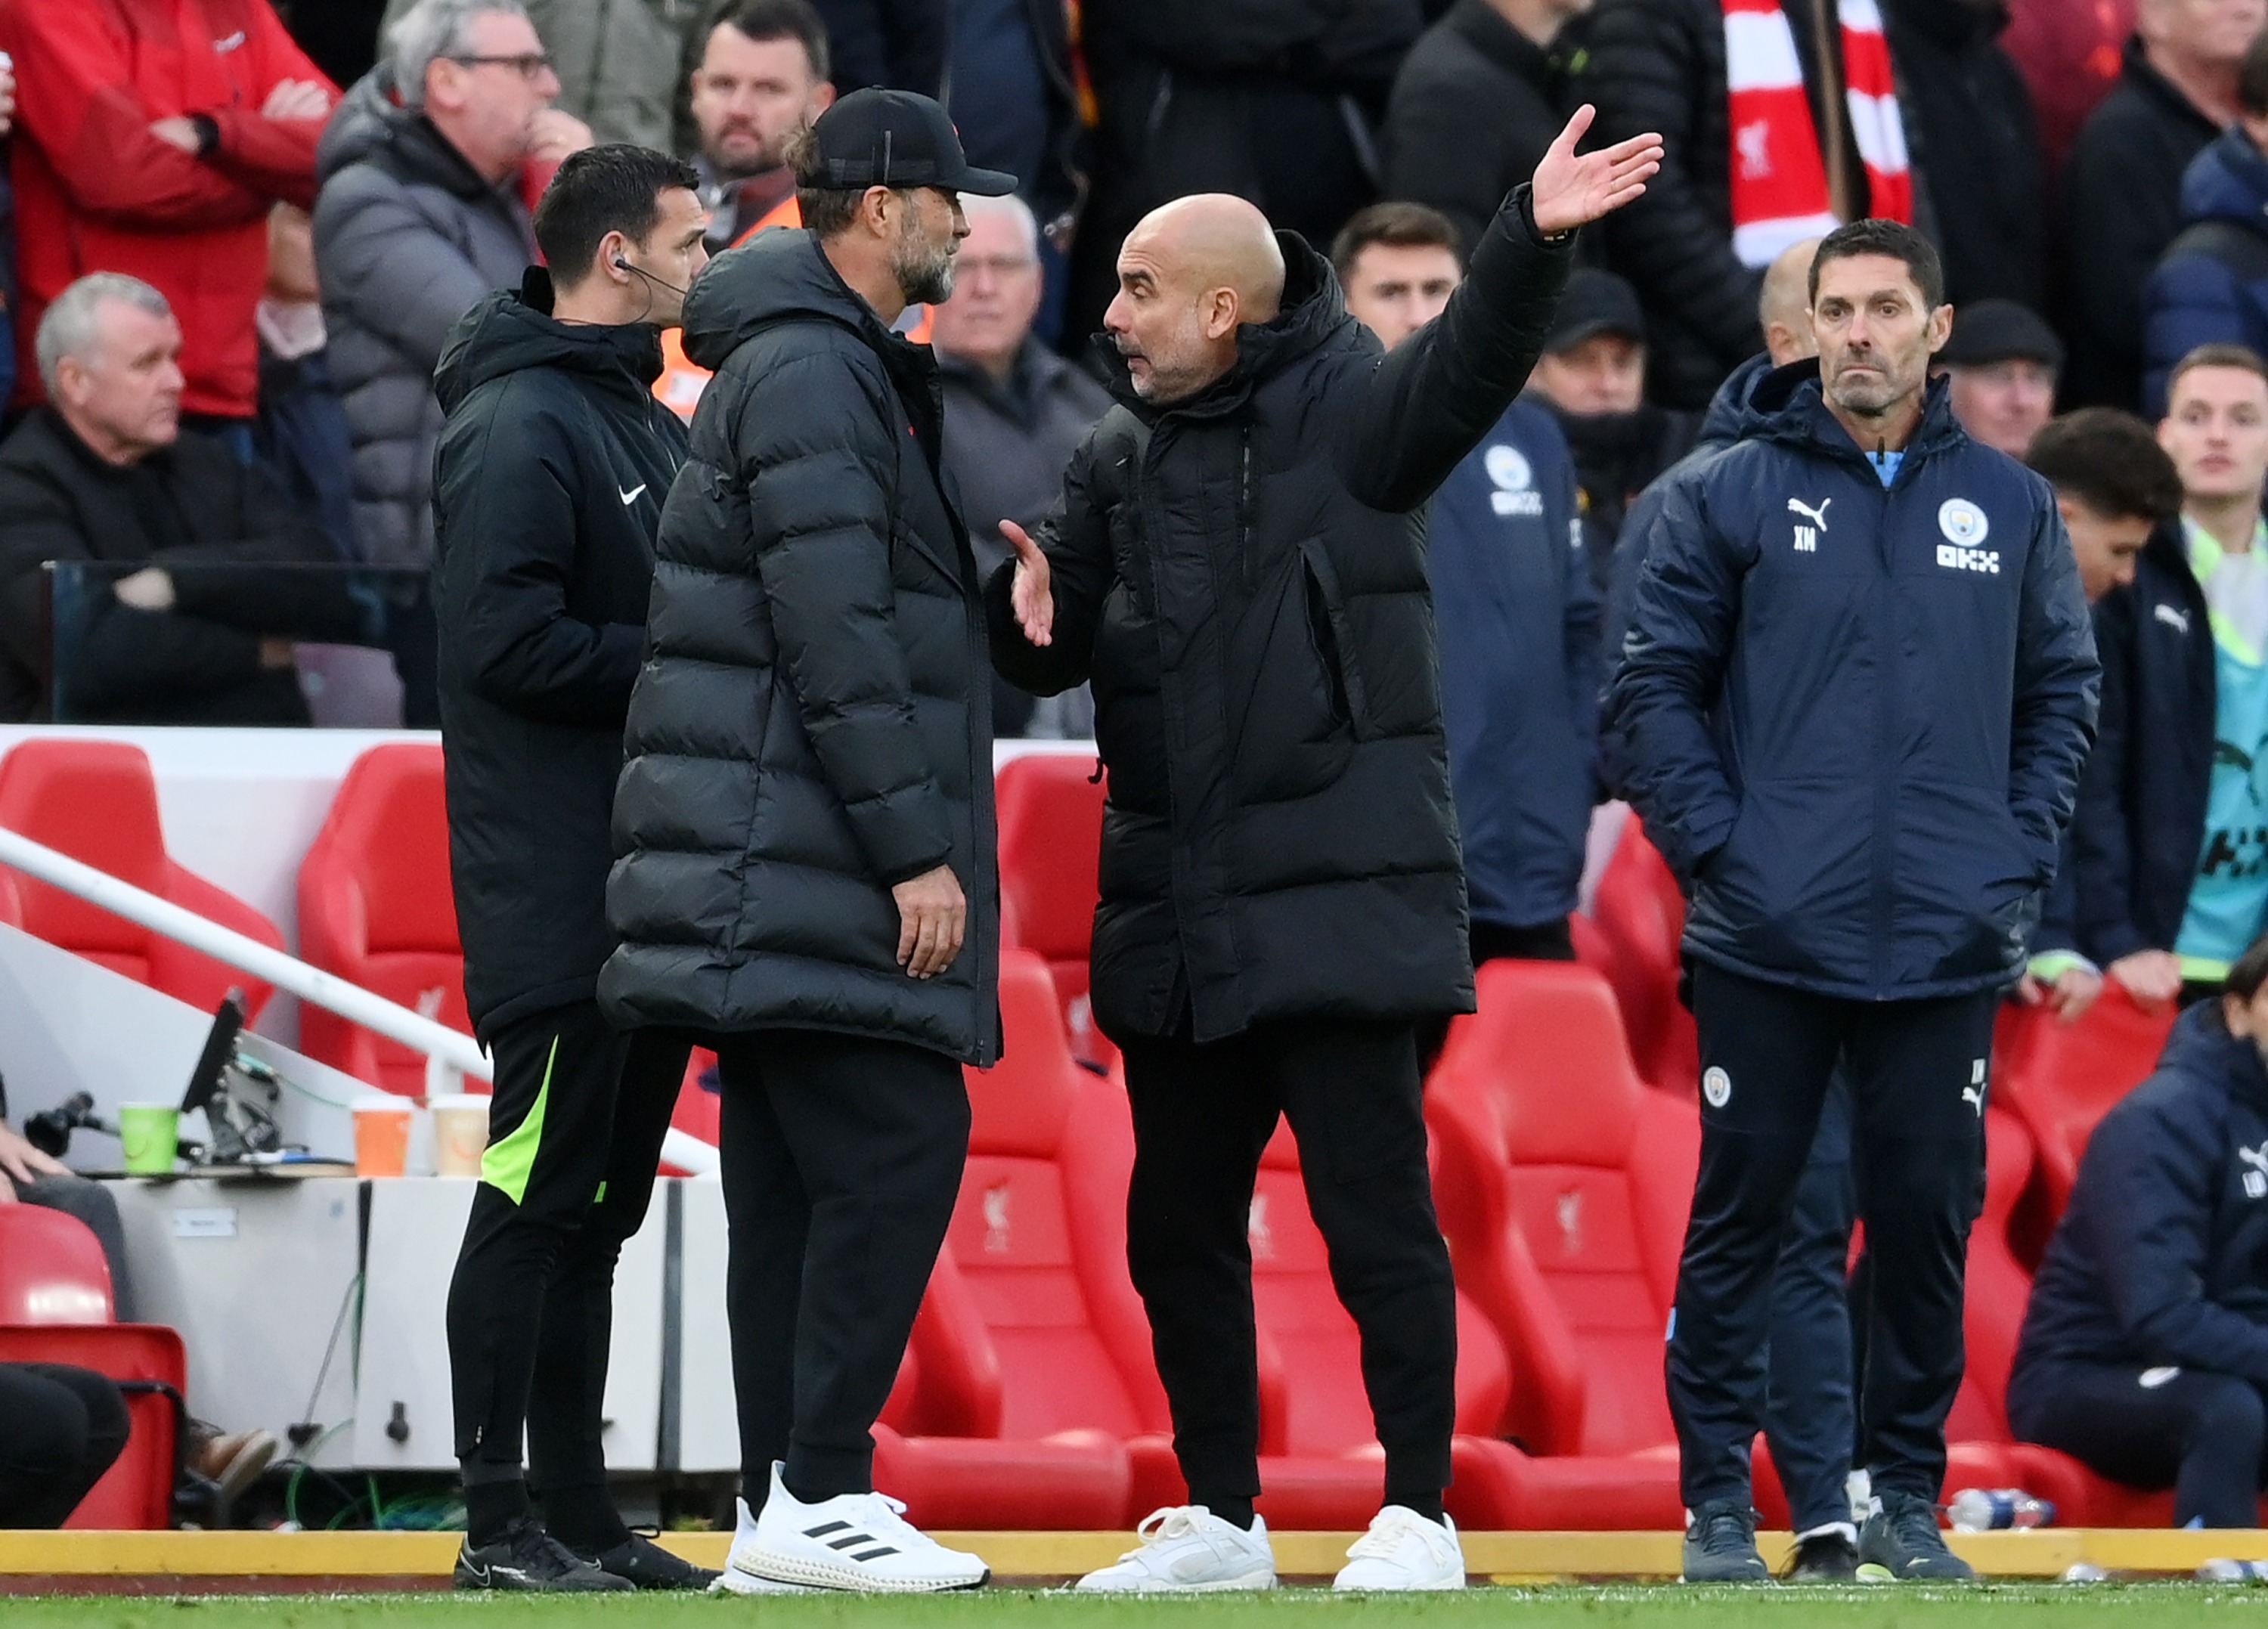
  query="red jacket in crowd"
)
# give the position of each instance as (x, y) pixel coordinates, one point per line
(96, 191)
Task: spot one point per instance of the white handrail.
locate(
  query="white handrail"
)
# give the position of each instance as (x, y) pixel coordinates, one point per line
(437, 1041)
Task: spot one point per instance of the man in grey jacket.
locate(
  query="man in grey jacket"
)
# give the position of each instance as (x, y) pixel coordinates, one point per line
(420, 216)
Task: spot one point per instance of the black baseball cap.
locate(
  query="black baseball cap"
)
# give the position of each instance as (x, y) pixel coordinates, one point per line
(1986, 331)
(1594, 303)
(876, 137)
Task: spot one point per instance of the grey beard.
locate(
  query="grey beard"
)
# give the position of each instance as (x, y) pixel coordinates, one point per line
(925, 282)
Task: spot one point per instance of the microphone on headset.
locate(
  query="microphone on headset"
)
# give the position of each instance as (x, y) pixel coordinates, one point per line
(639, 271)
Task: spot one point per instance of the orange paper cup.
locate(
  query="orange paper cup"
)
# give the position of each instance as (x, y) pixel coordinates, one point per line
(381, 1135)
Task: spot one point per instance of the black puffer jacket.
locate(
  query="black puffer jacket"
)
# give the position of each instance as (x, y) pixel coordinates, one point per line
(1243, 577)
(812, 722)
(547, 489)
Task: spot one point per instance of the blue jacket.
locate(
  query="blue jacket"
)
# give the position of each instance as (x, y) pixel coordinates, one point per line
(2142, 798)
(2163, 1257)
(1855, 718)
(2204, 291)
(1517, 618)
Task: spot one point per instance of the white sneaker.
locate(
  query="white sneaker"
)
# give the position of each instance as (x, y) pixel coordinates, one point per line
(1404, 1551)
(853, 1541)
(736, 1578)
(1186, 1547)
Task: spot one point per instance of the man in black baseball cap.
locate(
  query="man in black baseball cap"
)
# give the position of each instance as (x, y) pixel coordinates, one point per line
(2003, 359)
(807, 883)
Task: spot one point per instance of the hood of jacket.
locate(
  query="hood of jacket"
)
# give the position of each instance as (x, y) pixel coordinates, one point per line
(1312, 310)
(780, 277)
(2228, 180)
(514, 329)
(1747, 400)
(2202, 1049)
(370, 123)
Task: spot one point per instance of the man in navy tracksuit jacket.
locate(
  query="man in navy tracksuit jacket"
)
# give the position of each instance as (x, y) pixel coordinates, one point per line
(2145, 1352)
(1857, 691)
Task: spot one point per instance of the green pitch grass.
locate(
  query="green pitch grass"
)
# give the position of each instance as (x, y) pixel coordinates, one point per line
(2029, 1606)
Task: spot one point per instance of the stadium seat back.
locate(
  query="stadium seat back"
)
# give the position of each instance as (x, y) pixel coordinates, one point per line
(1010, 1239)
(1049, 809)
(149, 1360)
(52, 1269)
(1566, 1187)
(97, 802)
(2062, 1079)
(1639, 914)
(376, 906)
(1998, 1288)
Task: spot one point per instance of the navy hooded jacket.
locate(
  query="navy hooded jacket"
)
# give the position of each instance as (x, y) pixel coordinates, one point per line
(1853, 719)
(1517, 615)
(2142, 798)
(2163, 1257)
(2211, 286)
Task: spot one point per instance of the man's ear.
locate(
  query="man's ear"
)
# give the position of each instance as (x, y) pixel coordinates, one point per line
(1941, 329)
(1222, 312)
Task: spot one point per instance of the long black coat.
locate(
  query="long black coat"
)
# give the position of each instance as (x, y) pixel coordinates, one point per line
(812, 722)
(547, 489)
(1242, 575)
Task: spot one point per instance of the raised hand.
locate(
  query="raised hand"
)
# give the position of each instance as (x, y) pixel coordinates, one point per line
(1031, 595)
(1572, 189)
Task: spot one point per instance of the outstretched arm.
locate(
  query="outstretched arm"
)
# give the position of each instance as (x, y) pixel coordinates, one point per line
(1432, 399)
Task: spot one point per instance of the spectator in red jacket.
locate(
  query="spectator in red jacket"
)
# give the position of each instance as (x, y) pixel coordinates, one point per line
(152, 137)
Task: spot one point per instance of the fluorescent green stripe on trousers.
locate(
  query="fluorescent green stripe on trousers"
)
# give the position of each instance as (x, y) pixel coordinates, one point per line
(507, 1165)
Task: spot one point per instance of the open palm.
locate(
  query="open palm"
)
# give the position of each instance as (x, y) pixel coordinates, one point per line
(1572, 189)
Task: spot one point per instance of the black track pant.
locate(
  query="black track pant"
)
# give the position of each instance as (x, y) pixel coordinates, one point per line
(60, 1429)
(841, 1161)
(575, 1134)
(2199, 1432)
(1810, 1413)
(1201, 1117)
(1917, 1072)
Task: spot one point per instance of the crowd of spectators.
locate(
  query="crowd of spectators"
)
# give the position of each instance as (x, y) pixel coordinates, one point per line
(319, 196)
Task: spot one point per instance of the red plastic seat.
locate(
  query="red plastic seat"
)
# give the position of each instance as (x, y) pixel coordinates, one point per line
(97, 802)
(1320, 1466)
(376, 908)
(1031, 1351)
(149, 1362)
(1050, 814)
(2061, 1079)
(1639, 914)
(52, 1269)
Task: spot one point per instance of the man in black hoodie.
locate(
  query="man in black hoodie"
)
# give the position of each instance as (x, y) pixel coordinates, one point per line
(549, 485)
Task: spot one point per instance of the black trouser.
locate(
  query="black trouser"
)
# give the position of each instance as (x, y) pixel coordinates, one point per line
(60, 1430)
(841, 1162)
(1918, 1072)
(1202, 1115)
(1809, 1414)
(574, 1135)
(93, 1204)
(2200, 1432)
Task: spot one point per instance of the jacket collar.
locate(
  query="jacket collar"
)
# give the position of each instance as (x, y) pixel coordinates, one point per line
(1955, 24)
(1312, 311)
(1022, 394)
(1486, 30)
(1806, 422)
(2202, 1048)
(511, 331)
(2136, 70)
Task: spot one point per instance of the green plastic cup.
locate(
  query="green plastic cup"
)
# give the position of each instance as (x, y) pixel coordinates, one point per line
(148, 1134)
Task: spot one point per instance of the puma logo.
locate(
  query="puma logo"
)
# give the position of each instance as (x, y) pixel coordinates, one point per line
(1818, 517)
(1974, 1096)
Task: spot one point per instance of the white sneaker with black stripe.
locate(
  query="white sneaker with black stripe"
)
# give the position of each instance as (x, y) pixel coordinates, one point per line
(736, 1578)
(853, 1541)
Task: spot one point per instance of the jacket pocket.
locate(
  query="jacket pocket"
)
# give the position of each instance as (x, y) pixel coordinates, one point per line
(1334, 637)
(1296, 730)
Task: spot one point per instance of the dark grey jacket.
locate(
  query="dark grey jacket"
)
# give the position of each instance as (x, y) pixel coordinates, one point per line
(1243, 576)
(409, 239)
(810, 726)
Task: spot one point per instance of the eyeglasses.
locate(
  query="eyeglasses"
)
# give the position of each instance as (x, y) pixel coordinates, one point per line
(531, 64)
(996, 265)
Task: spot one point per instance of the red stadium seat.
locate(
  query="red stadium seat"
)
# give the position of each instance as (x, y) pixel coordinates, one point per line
(1321, 1465)
(148, 1361)
(2060, 1079)
(1050, 814)
(52, 1269)
(1640, 916)
(376, 908)
(1564, 1189)
(1031, 1353)
(97, 802)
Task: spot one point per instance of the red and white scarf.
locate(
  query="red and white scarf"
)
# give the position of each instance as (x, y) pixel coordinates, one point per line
(1780, 195)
